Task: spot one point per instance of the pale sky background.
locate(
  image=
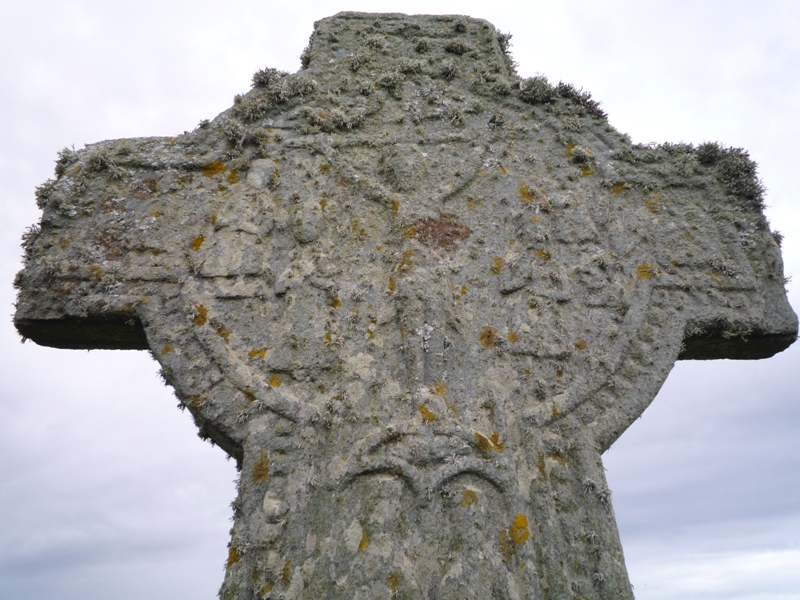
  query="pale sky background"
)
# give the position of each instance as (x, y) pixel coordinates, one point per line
(105, 489)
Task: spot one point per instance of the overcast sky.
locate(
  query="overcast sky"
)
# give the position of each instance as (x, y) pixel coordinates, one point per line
(105, 489)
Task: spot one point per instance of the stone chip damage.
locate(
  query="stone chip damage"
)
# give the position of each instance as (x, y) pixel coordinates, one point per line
(415, 297)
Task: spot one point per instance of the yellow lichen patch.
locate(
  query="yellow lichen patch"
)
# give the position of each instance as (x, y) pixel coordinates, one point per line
(497, 264)
(619, 187)
(201, 315)
(213, 219)
(519, 529)
(543, 254)
(224, 333)
(364, 543)
(233, 556)
(391, 284)
(644, 271)
(267, 587)
(555, 413)
(488, 337)
(233, 176)
(534, 219)
(525, 193)
(559, 373)
(653, 204)
(324, 169)
(406, 261)
(249, 395)
(286, 573)
(197, 242)
(166, 349)
(95, 272)
(468, 498)
(275, 381)
(513, 337)
(580, 344)
(260, 468)
(257, 352)
(570, 148)
(485, 444)
(394, 581)
(213, 168)
(586, 172)
(394, 205)
(195, 401)
(410, 232)
(427, 415)
(335, 302)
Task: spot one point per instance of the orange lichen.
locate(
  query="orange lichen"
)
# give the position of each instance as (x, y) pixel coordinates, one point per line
(95, 272)
(559, 373)
(323, 203)
(653, 204)
(488, 337)
(391, 284)
(233, 556)
(468, 498)
(406, 261)
(166, 349)
(497, 264)
(260, 468)
(233, 176)
(534, 219)
(410, 232)
(580, 344)
(257, 352)
(275, 381)
(525, 193)
(394, 205)
(570, 148)
(364, 543)
(644, 271)
(485, 444)
(324, 169)
(224, 333)
(519, 529)
(394, 581)
(427, 415)
(286, 573)
(213, 168)
(513, 337)
(586, 172)
(619, 187)
(195, 401)
(201, 315)
(335, 302)
(197, 242)
(543, 254)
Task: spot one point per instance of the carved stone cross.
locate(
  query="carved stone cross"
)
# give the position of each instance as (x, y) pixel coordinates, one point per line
(416, 298)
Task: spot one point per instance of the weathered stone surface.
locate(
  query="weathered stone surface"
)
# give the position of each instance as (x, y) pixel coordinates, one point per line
(416, 298)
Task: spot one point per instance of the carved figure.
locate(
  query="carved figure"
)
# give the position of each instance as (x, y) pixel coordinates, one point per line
(415, 297)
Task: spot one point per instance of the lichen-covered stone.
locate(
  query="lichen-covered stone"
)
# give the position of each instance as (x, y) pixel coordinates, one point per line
(415, 297)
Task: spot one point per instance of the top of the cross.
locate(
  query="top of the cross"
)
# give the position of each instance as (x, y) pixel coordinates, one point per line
(382, 39)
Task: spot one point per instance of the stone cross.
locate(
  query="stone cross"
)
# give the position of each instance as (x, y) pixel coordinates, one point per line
(416, 298)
